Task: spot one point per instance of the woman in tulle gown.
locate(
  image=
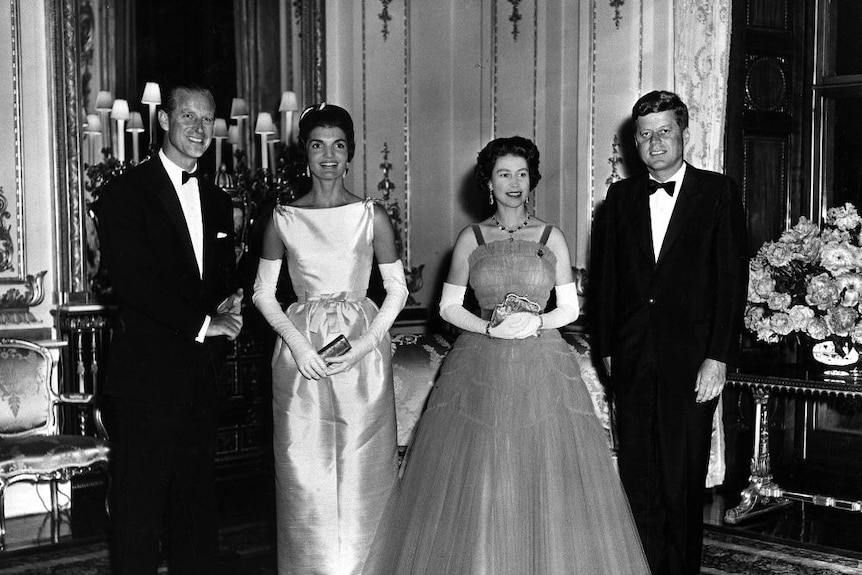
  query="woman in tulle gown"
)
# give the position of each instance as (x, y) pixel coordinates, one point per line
(510, 471)
(334, 433)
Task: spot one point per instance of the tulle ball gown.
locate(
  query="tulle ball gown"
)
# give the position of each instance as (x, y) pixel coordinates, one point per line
(510, 471)
(334, 439)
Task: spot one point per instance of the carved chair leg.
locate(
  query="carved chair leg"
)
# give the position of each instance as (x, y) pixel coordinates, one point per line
(108, 494)
(3, 515)
(55, 512)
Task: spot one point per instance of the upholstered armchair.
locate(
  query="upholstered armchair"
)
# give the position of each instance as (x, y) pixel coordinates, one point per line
(416, 359)
(31, 446)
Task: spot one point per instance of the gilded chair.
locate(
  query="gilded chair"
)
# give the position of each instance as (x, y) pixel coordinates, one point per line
(32, 448)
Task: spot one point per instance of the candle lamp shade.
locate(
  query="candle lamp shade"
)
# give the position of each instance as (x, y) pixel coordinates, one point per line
(152, 94)
(136, 123)
(93, 125)
(104, 101)
(264, 124)
(233, 135)
(220, 128)
(238, 108)
(289, 103)
(120, 110)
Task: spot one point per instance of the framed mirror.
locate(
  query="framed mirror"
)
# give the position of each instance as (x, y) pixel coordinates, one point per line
(250, 49)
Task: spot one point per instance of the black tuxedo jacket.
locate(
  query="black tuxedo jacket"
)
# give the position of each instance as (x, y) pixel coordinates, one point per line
(673, 311)
(162, 298)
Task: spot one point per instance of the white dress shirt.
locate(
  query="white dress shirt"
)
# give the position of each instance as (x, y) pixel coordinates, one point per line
(661, 209)
(190, 201)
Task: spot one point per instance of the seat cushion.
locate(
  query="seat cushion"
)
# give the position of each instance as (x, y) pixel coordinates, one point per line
(416, 359)
(47, 454)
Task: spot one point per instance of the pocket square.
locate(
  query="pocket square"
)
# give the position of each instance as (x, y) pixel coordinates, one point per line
(220, 235)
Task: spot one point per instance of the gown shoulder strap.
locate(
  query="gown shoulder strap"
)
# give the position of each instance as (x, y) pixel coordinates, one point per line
(546, 233)
(477, 231)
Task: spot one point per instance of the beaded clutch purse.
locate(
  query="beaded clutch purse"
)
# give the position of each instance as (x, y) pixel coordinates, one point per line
(513, 303)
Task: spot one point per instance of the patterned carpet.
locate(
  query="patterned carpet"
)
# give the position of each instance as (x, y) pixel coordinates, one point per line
(246, 551)
(728, 554)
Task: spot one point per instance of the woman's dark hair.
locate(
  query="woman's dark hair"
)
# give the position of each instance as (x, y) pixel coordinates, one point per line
(513, 146)
(325, 115)
(661, 101)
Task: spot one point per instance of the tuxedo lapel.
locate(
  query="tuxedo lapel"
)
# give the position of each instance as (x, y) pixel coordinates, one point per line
(167, 195)
(686, 204)
(209, 211)
(640, 217)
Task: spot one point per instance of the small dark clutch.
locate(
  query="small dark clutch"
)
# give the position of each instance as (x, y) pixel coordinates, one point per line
(512, 303)
(334, 348)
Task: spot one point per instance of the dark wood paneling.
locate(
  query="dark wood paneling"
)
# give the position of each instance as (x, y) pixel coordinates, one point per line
(768, 14)
(834, 446)
(765, 187)
(768, 111)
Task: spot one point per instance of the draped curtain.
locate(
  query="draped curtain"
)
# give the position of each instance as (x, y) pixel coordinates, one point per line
(701, 55)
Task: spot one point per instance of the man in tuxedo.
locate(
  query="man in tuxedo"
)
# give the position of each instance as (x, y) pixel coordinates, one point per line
(669, 285)
(167, 241)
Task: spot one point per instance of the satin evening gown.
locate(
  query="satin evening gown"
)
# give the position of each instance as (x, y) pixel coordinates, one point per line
(335, 438)
(509, 472)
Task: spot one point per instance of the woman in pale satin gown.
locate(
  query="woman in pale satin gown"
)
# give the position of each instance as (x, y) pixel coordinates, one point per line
(509, 471)
(334, 433)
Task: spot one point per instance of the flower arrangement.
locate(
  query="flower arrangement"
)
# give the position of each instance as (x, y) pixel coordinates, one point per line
(809, 283)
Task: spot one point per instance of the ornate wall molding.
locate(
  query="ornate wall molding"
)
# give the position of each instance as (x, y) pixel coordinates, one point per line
(385, 17)
(515, 17)
(314, 50)
(615, 161)
(12, 253)
(15, 305)
(766, 83)
(68, 189)
(617, 5)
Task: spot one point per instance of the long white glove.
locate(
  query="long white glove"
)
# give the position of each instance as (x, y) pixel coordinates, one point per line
(516, 326)
(309, 363)
(452, 309)
(568, 309)
(396, 296)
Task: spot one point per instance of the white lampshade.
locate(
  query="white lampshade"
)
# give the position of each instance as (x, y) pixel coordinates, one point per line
(220, 128)
(104, 101)
(264, 124)
(233, 135)
(93, 125)
(238, 108)
(152, 94)
(289, 102)
(120, 110)
(136, 124)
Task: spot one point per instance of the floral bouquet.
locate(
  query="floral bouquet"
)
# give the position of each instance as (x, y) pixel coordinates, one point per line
(809, 282)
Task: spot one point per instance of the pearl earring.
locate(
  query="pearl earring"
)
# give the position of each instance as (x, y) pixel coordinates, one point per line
(307, 171)
(491, 196)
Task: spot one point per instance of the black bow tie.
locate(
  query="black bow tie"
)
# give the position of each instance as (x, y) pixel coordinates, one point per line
(666, 186)
(187, 176)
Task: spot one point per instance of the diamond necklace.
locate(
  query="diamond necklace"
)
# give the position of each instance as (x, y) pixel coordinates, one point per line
(512, 231)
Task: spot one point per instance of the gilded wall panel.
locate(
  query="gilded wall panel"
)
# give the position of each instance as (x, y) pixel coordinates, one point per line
(384, 127)
(12, 260)
(515, 60)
